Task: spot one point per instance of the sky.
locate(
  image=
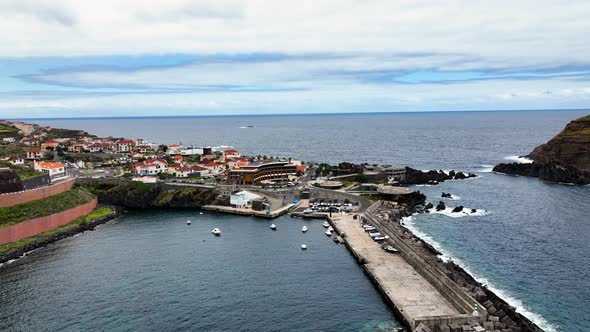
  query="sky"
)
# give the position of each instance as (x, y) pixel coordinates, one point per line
(70, 58)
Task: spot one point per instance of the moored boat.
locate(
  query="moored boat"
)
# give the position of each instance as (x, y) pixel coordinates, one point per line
(188, 222)
(216, 231)
(303, 247)
(328, 233)
(326, 224)
(304, 229)
(273, 227)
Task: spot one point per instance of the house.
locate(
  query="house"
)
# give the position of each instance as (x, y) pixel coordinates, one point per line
(8, 140)
(173, 149)
(214, 166)
(200, 171)
(97, 147)
(151, 167)
(183, 172)
(76, 148)
(231, 154)
(29, 141)
(54, 169)
(16, 160)
(124, 145)
(242, 199)
(34, 154)
(49, 145)
(172, 168)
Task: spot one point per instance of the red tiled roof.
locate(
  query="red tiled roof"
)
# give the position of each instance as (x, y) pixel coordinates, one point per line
(50, 165)
(34, 150)
(199, 168)
(125, 141)
(231, 151)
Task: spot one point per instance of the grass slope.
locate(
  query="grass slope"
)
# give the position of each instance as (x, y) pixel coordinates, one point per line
(44, 207)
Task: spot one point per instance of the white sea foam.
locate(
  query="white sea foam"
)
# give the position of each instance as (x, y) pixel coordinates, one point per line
(465, 213)
(410, 223)
(485, 168)
(521, 160)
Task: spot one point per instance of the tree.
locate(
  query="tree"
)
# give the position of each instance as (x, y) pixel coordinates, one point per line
(163, 147)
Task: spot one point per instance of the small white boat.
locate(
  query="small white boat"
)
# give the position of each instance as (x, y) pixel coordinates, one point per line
(200, 212)
(328, 232)
(216, 231)
(304, 229)
(326, 224)
(273, 227)
(303, 247)
(331, 229)
(188, 222)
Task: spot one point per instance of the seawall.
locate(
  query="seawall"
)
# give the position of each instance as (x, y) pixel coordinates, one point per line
(26, 196)
(35, 226)
(42, 241)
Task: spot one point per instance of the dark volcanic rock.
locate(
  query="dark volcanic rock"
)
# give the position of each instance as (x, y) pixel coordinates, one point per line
(460, 176)
(458, 209)
(446, 195)
(570, 147)
(414, 176)
(440, 206)
(429, 206)
(565, 158)
(473, 210)
(551, 172)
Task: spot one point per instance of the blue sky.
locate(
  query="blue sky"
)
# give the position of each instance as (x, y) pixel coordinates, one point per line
(64, 58)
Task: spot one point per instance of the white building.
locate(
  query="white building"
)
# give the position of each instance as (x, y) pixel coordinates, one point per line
(151, 167)
(242, 199)
(54, 169)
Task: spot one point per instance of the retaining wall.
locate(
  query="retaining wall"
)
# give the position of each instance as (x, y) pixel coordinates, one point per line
(25, 196)
(36, 182)
(35, 226)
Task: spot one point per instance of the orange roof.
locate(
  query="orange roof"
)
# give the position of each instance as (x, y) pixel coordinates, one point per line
(178, 156)
(231, 152)
(34, 150)
(51, 165)
(174, 145)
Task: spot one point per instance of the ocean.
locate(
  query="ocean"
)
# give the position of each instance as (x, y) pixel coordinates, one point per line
(528, 242)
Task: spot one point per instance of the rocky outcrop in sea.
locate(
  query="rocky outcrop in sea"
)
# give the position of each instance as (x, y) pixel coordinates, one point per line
(565, 158)
(415, 176)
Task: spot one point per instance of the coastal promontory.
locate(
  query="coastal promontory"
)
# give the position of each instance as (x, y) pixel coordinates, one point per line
(564, 158)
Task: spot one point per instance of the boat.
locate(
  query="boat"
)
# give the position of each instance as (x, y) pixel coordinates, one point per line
(328, 232)
(304, 229)
(216, 231)
(391, 249)
(303, 247)
(273, 227)
(200, 212)
(331, 229)
(188, 222)
(326, 224)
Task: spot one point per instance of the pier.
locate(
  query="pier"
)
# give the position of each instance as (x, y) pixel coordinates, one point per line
(415, 298)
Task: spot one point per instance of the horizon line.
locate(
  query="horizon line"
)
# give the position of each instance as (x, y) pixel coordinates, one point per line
(293, 114)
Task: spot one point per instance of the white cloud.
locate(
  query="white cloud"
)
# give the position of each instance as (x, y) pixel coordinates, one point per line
(535, 31)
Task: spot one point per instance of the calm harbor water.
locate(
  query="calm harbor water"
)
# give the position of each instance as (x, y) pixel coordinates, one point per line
(149, 271)
(530, 245)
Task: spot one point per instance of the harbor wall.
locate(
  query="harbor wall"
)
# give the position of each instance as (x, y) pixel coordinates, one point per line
(35, 226)
(457, 296)
(26, 196)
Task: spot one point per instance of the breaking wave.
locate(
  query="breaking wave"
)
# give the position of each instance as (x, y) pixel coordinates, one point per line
(517, 159)
(521, 307)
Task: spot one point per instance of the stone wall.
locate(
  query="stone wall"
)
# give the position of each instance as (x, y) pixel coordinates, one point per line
(35, 226)
(25, 196)
(36, 182)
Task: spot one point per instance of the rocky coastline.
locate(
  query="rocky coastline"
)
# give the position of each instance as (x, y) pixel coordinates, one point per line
(415, 176)
(502, 316)
(565, 158)
(551, 171)
(42, 241)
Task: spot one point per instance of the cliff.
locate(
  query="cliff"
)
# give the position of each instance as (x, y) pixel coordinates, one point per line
(571, 147)
(132, 194)
(565, 158)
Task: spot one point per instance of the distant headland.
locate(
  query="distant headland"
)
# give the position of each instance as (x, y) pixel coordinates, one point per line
(565, 158)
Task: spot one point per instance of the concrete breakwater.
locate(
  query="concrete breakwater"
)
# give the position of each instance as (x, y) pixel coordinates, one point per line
(42, 241)
(501, 316)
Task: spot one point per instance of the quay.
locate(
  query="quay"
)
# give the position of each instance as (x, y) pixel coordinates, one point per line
(249, 212)
(413, 296)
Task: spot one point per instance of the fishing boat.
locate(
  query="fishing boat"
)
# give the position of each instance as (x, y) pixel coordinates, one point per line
(328, 233)
(303, 247)
(216, 231)
(304, 229)
(188, 222)
(326, 224)
(273, 227)
(331, 229)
